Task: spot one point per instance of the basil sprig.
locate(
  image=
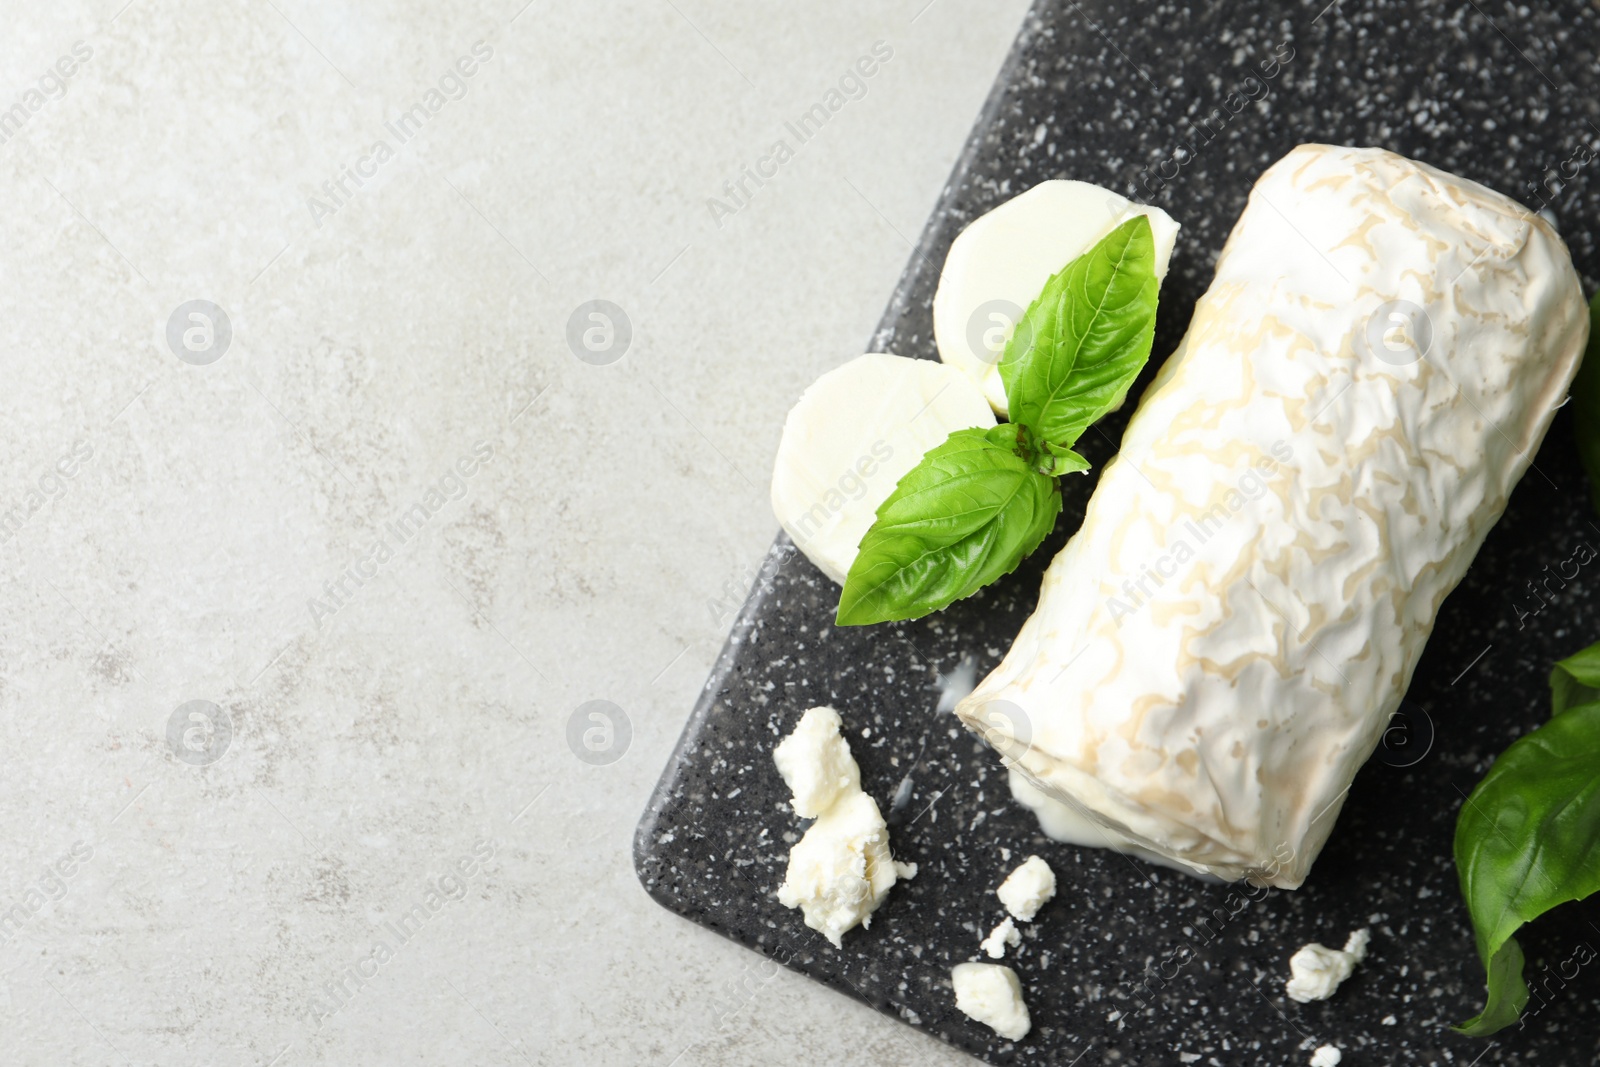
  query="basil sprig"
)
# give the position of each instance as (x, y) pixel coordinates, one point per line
(1086, 337)
(978, 504)
(1527, 837)
(964, 516)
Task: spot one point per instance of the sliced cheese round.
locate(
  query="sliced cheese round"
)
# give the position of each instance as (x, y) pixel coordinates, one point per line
(850, 439)
(1000, 263)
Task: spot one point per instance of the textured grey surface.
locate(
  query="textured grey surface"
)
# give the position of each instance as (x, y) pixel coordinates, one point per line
(589, 559)
(1105, 94)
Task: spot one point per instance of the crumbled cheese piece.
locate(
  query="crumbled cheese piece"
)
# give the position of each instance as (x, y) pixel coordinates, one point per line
(1316, 970)
(994, 946)
(1028, 888)
(841, 870)
(1326, 1056)
(990, 994)
(816, 764)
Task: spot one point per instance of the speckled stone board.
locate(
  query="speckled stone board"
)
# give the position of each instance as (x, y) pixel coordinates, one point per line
(1133, 964)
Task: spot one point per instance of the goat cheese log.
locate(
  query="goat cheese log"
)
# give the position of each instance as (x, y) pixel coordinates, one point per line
(1222, 644)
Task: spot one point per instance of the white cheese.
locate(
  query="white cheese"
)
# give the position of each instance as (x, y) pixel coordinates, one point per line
(1028, 888)
(1064, 821)
(1316, 970)
(999, 264)
(1222, 643)
(849, 440)
(840, 870)
(990, 994)
(1000, 938)
(816, 764)
(1326, 1056)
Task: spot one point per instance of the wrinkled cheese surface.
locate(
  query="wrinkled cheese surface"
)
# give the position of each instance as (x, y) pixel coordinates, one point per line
(1220, 646)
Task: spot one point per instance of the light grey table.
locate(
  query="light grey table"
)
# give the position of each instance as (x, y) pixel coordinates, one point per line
(318, 532)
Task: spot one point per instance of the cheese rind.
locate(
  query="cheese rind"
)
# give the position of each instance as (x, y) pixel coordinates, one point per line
(999, 264)
(1220, 646)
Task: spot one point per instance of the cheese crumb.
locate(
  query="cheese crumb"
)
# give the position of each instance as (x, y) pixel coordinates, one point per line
(1028, 888)
(994, 946)
(1316, 970)
(1326, 1056)
(989, 993)
(816, 764)
(841, 870)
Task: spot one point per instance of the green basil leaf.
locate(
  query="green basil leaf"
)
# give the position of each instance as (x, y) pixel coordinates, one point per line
(1009, 436)
(1585, 395)
(1058, 461)
(964, 516)
(1525, 842)
(1085, 339)
(1575, 680)
(1508, 993)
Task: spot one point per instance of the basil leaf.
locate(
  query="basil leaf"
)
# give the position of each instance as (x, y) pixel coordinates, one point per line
(1525, 843)
(1057, 461)
(1010, 436)
(1085, 339)
(1585, 395)
(964, 516)
(1575, 680)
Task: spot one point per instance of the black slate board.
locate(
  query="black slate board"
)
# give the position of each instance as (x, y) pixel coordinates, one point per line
(1104, 92)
